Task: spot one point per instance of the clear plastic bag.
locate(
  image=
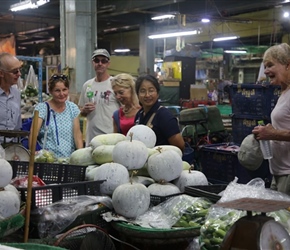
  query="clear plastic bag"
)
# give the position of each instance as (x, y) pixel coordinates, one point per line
(44, 155)
(31, 83)
(56, 217)
(218, 221)
(178, 211)
(254, 189)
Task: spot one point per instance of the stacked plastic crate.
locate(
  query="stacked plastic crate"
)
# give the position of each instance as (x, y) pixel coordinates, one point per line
(250, 104)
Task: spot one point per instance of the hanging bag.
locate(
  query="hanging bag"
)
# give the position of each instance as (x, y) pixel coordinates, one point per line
(27, 125)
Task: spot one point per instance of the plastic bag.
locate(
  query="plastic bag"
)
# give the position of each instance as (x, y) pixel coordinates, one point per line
(217, 223)
(254, 189)
(56, 217)
(44, 155)
(22, 181)
(31, 84)
(178, 211)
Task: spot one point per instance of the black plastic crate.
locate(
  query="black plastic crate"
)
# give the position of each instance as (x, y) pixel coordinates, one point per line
(223, 165)
(210, 192)
(45, 195)
(254, 99)
(50, 172)
(156, 199)
(243, 126)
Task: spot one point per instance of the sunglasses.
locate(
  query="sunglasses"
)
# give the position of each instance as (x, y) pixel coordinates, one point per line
(13, 71)
(103, 61)
(56, 77)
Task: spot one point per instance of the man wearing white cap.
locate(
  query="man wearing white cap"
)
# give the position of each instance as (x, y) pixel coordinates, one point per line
(97, 100)
(10, 101)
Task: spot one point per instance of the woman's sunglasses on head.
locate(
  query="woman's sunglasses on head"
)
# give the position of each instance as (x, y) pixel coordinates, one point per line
(56, 77)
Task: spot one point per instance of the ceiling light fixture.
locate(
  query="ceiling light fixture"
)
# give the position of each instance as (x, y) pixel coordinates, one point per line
(166, 16)
(174, 34)
(27, 4)
(236, 51)
(205, 20)
(122, 50)
(225, 38)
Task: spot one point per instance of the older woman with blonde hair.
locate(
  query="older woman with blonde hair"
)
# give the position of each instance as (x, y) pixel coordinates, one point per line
(123, 86)
(276, 62)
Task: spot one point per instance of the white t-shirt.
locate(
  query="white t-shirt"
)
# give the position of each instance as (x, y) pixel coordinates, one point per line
(280, 116)
(100, 120)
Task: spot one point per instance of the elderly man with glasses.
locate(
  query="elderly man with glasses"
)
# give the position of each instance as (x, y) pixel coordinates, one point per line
(97, 100)
(10, 99)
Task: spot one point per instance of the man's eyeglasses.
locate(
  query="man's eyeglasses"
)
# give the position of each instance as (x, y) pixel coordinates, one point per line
(150, 92)
(56, 77)
(13, 71)
(103, 61)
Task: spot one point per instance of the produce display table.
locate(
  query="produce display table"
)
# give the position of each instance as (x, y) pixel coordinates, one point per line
(150, 238)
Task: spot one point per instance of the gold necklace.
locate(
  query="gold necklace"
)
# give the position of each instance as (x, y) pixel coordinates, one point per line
(127, 110)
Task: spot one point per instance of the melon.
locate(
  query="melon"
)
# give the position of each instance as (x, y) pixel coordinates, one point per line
(144, 134)
(106, 139)
(9, 204)
(90, 172)
(131, 200)
(169, 147)
(165, 166)
(130, 153)
(190, 178)
(103, 154)
(82, 157)
(6, 173)
(165, 189)
(114, 175)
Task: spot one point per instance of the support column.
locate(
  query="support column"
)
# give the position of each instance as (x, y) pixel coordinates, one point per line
(78, 40)
(146, 52)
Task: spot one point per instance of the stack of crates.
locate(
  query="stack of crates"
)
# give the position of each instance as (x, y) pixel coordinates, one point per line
(250, 104)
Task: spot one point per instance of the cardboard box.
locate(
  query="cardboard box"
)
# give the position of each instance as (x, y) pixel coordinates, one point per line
(171, 83)
(197, 93)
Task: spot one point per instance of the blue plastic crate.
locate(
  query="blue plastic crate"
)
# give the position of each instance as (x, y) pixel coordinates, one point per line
(254, 99)
(243, 125)
(223, 165)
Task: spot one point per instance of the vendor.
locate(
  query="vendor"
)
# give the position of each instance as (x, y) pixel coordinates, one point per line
(152, 114)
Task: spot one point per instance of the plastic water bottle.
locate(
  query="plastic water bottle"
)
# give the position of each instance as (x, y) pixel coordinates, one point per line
(265, 146)
(90, 93)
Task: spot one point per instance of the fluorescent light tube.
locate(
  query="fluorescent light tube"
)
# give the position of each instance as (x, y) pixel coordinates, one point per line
(236, 51)
(205, 20)
(174, 34)
(225, 38)
(27, 4)
(167, 16)
(122, 50)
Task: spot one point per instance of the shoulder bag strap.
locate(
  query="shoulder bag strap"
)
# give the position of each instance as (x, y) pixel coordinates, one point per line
(149, 123)
(47, 120)
(117, 120)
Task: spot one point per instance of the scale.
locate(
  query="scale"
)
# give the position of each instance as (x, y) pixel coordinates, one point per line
(14, 151)
(256, 232)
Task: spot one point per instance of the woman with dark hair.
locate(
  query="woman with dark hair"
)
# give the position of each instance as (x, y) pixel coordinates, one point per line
(152, 114)
(64, 135)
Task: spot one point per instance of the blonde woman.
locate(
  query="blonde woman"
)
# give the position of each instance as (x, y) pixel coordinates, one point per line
(276, 62)
(123, 86)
